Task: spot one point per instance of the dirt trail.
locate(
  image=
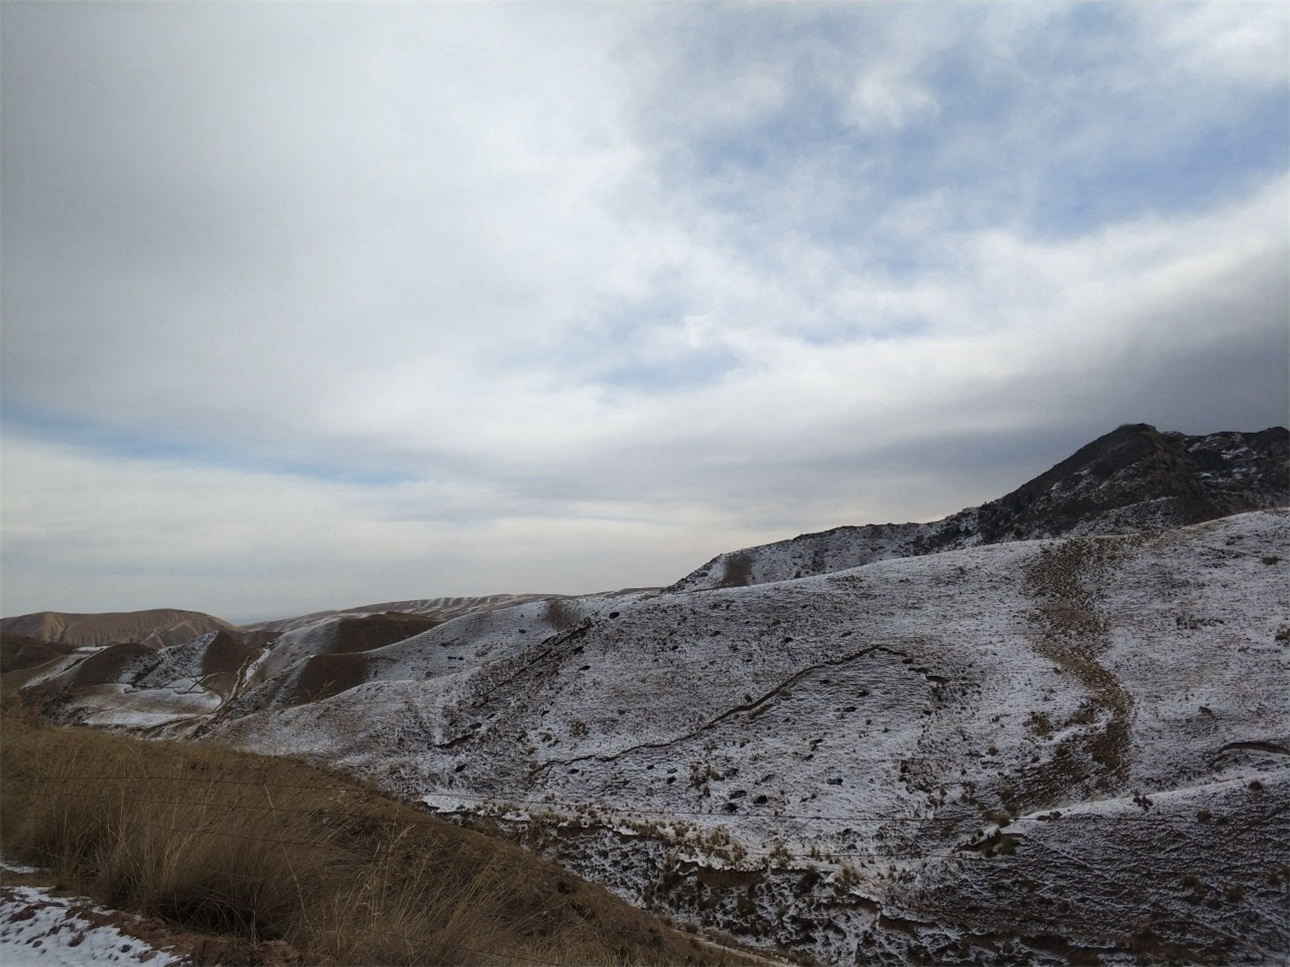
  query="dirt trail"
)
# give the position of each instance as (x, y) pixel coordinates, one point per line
(1066, 582)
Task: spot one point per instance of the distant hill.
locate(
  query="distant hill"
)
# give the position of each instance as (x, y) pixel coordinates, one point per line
(439, 609)
(1133, 479)
(156, 628)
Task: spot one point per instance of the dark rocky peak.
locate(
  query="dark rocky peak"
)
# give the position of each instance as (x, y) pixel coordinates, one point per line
(1137, 477)
(1133, 479)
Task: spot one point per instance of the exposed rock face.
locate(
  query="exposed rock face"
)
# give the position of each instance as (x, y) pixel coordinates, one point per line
(1133, 479)
(1137, 478)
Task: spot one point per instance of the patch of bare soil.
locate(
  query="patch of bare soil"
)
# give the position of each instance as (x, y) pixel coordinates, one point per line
(227, 654)
(1065, 582)
(326, 675)
(377, 631)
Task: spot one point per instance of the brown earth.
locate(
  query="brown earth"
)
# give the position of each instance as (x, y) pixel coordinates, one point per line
(377, 631)
(18, 652)
(227, 654)
(157, 627)
(326, 675)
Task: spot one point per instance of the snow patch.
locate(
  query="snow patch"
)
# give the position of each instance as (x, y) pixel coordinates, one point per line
(37, 928)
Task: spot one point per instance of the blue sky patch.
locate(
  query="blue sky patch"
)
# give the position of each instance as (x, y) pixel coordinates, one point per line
(136, 443)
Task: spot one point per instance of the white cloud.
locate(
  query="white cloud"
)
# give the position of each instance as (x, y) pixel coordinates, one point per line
(241, 544)
(1243, 42)
(882, 101)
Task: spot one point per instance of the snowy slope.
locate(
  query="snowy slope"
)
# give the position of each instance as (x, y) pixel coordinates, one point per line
(441, 609)
(862, 763)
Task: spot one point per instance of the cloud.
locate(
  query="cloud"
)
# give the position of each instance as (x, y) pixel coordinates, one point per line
(94, 532)
(880, 102)
(1217, 41)
(643, 283)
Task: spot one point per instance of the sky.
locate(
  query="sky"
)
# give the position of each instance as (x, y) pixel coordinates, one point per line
(310, 305)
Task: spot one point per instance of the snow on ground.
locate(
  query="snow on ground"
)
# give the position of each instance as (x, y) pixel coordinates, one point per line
(815, 752)
(122, 705)
(37, 928)
(834, 763)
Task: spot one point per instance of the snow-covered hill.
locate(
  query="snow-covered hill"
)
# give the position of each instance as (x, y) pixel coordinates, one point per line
(1012, 751)
(440, 609)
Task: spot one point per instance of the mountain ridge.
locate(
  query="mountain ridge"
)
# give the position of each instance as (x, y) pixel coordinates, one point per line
(1132, 479)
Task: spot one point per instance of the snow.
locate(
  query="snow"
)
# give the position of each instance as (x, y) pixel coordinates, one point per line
(118, 705)
(887, 715)
(865, 731)
(39, 929)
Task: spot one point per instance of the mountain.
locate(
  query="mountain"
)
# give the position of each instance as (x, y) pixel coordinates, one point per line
(1133, 479)
(1051, 745)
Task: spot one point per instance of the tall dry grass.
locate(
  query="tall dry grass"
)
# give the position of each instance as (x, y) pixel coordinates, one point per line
(270, 849)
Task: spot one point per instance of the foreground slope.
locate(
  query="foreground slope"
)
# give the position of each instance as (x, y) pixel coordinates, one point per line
(1039, 749)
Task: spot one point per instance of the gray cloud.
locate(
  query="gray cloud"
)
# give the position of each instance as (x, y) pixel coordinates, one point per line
(461, 299)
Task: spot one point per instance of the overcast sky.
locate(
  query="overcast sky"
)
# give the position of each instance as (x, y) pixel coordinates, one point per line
(308, 305)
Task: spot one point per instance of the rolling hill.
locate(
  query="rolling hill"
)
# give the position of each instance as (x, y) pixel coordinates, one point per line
(155, 628)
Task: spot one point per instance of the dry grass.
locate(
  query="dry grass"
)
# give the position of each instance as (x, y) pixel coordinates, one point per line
(267, 849)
